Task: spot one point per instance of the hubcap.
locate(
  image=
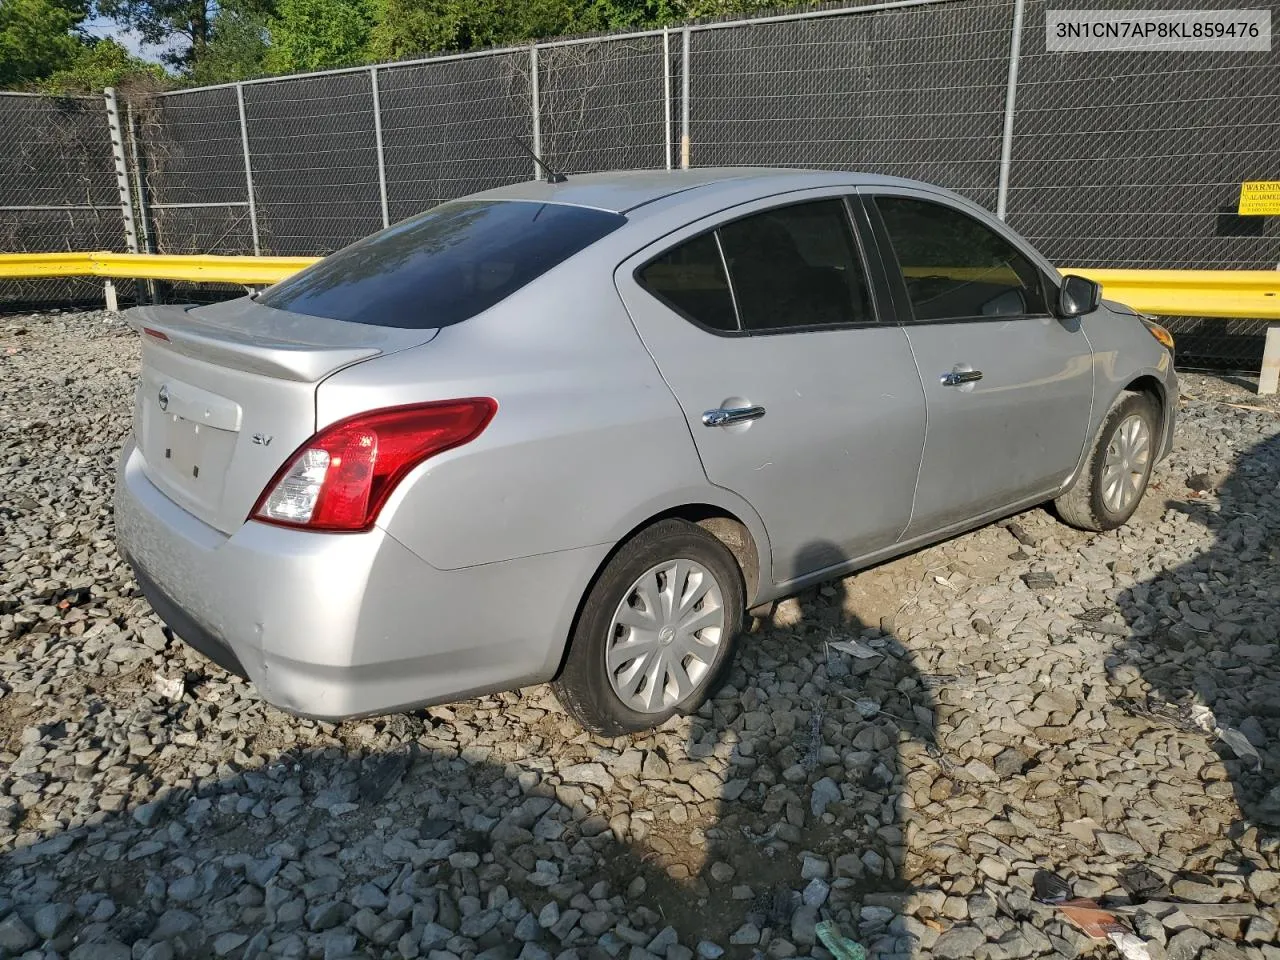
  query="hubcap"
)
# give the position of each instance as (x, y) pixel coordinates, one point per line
(665, 636)
(1124, 470)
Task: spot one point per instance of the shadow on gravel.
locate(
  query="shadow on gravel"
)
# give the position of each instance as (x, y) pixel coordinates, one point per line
(1220, 617)
(736, 830)
(810, 822)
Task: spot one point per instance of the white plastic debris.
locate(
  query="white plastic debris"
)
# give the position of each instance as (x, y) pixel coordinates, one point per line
(1130, 946)
(855, 648)
(171, 688)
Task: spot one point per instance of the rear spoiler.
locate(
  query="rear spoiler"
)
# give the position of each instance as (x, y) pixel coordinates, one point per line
(244, 335)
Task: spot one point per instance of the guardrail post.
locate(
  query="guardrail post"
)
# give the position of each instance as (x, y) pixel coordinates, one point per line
(1010, 101)
(1269, 379)
(685, 143)
(122, 169)
(377, 136)
(248, 172)
(535, 109)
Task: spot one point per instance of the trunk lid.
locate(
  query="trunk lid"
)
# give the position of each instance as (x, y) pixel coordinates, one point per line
(228, 392)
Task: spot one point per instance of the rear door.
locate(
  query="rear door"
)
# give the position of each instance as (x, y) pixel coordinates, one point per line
(764, 324)
(1009, 386)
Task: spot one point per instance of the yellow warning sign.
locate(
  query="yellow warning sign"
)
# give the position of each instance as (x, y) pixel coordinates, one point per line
(1260, 198)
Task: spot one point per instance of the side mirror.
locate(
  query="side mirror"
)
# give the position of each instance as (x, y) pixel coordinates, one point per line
(1078, 296)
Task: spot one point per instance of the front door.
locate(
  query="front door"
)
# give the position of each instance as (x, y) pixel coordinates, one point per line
(798, 400)
(1008, 386)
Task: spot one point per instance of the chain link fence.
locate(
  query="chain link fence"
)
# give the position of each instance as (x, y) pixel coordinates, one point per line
(58, 190)
(1100, 159)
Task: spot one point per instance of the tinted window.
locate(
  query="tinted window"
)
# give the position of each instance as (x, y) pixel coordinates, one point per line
(444, 265)
(796, 267)
(691, 279)
(956, 267)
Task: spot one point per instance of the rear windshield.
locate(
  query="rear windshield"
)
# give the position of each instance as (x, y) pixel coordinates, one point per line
(444, 265)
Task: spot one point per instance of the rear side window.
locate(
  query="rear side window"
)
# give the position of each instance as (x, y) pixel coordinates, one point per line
(789, 267)
(442, 266)
(796, 266)
(690, 278)
(957, 268)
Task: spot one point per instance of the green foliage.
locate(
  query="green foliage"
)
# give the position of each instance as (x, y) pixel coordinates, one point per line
(702, 9)
(194, 24)
(97, 64)
(314, 34)
(216, 41)
(414, 27)
(161, 21)
(37, 38)
(236, 49)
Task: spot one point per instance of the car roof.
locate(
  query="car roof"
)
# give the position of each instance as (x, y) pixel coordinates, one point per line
(623, 191)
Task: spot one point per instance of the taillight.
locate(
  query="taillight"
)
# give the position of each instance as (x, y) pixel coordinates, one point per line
(341, 477)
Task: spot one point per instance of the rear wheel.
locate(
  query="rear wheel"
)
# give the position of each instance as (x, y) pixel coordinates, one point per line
(1115, 476)
(656, 630)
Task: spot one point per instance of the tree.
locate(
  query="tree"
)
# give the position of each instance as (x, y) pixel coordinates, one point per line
(236, 49)
(161, 21)
(191, 22)
(100, 63)
(315, 34)
(37, 37)
(414, 27)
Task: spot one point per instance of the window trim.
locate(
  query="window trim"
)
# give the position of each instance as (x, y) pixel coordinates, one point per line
(897, 279)
(861, 252)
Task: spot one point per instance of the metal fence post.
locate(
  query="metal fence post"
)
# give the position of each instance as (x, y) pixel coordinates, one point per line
(684, 101)
(666, 95)
(377, 136)
(140, 187)
(248, 172)
(536, 107)
(1010, 101)
(122, 169)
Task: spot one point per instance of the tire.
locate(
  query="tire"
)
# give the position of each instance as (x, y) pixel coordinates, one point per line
(643, 647)
(1091, 503)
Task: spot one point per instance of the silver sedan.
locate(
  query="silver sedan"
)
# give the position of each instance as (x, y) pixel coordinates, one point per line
(574, 431)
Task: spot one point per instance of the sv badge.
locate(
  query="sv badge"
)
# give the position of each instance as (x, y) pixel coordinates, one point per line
(262, 439)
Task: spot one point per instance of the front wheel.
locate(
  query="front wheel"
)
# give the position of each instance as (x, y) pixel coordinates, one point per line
(656, 631)
(1115, 476)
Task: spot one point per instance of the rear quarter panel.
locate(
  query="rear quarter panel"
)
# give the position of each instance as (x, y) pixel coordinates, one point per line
(588, 440)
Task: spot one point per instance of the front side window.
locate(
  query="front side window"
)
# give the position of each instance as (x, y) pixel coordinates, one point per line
(796, 266)
(955, 267)
(442, 266)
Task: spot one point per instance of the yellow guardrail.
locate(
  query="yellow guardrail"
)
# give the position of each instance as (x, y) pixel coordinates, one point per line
(1247, 294)
(249, 271)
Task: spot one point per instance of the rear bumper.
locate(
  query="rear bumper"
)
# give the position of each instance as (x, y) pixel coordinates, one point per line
(185, 626)
(341, 625)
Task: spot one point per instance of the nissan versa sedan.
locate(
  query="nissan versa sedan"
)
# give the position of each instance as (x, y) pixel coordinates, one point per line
(574, 431)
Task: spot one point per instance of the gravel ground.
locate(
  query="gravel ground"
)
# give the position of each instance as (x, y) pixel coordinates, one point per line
(1025, 697)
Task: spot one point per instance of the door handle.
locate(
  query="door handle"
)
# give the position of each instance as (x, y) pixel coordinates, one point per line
(957, 378)
(724, 416)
